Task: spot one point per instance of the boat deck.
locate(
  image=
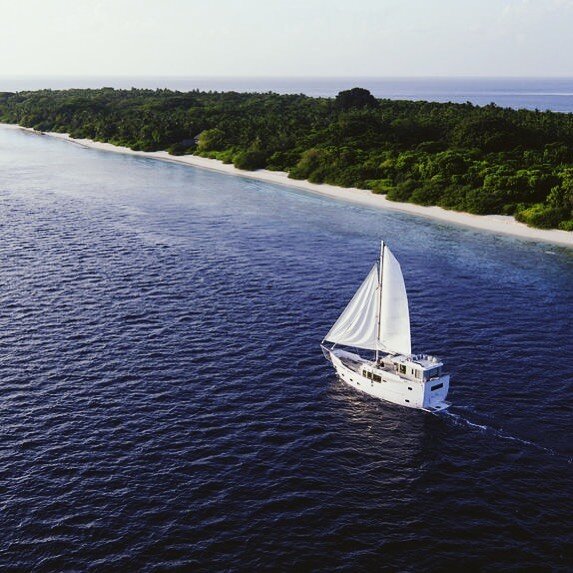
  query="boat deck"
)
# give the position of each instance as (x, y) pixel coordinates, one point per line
(395, 364)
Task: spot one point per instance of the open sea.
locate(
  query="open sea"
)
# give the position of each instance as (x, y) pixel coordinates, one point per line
(165, 406)
(555, 94)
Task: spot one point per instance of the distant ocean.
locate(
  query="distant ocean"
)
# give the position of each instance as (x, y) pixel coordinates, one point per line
(554, 94)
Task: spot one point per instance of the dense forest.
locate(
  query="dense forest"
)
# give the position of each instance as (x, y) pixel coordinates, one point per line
(476, 159)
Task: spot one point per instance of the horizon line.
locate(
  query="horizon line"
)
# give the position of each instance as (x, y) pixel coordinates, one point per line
(322, 77)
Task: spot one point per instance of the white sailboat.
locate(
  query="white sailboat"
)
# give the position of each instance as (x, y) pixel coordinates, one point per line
(377, 319)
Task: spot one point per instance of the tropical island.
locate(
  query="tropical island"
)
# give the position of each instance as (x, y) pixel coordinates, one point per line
(480, 160)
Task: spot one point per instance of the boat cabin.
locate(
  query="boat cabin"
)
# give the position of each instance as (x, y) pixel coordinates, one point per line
(419, 367)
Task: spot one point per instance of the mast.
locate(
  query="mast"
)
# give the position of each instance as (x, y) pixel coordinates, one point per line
(380, 298)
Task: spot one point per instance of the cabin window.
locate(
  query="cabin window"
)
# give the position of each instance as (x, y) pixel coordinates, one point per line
(364, 373)
(376, 378)
(434, 372)
(437, 387)
(402, 369)
(409, 388)
(408, 401)
(418, 374)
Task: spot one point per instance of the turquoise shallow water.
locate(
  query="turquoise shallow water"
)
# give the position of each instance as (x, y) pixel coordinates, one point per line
(164, 402)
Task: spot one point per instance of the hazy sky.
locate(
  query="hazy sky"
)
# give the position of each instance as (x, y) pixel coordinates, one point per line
(287, 37)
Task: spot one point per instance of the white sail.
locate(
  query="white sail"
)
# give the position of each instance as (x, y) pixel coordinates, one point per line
(358, 324)
(395, 316)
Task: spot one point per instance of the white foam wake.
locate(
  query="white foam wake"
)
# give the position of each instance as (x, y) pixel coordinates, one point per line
(459, 420)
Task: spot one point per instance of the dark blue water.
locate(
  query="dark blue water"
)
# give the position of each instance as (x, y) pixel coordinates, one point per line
(164, 404)
(555, 94)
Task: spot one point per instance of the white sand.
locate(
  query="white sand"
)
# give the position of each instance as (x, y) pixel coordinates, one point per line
(492, 223)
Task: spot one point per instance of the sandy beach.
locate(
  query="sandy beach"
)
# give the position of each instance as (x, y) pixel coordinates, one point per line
(499, 224)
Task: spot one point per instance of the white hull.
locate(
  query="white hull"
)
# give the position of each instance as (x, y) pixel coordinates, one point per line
(427, 395)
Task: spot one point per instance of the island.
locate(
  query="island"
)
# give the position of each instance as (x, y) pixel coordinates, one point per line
(462, 157)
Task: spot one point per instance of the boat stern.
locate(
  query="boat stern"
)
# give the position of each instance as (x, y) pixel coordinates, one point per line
(435, 393)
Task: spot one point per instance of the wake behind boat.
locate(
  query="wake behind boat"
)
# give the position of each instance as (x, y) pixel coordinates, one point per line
(377, 319)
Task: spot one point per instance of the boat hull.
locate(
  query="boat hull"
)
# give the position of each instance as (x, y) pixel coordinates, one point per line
(423, 395)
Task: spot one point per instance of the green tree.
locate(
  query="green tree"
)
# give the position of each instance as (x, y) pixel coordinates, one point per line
(355, 98)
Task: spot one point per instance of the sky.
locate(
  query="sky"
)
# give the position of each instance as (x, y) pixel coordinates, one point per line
(286, 38)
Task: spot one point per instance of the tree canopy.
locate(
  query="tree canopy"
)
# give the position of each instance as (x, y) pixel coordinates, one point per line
(459, 156)
(356, 98)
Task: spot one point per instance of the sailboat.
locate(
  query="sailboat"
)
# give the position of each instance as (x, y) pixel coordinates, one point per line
(377, 320)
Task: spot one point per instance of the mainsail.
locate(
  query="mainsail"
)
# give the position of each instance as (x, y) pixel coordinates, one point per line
(395, 316)
(377, 318)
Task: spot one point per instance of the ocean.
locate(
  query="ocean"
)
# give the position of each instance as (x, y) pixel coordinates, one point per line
(164, 403)
(554, 94)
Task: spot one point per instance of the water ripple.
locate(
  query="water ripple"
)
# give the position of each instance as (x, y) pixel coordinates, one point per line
(164, 403)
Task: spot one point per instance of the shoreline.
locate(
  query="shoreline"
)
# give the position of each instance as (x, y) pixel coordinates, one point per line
(497, 224)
